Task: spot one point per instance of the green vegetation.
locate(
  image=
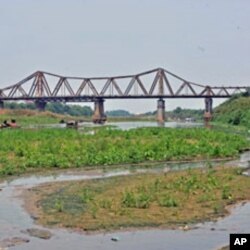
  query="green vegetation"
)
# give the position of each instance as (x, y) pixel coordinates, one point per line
(180, 114)
(30, 149)
(55, 107)
(118, 113)
(172, 199)
(235, 111)
(29, 117)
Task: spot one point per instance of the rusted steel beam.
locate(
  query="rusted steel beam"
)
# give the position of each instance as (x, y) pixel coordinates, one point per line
(92, 87)
(157, 76)
(41, 87)
(130, 85)
(223, 90)
(141, 85)
(21, 82)
(68, 87)
(33, 87)
(180, 89)
(191, 88)
(114, 83)
(107, 84)
(22, 91)
(167, 83)
(12, 92)
(160, 85)
(58, 86)
(2, 94)
(81, 88)
(46, 85)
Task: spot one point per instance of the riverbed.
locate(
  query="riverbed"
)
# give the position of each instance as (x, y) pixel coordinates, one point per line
(14, 219)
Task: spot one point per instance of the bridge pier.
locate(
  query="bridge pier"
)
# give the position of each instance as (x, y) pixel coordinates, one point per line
(208, 111)
(160, 111)
(40, 105)
(99, 115)
(1, 105)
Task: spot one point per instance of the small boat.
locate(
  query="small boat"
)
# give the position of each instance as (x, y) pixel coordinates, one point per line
(72, 124)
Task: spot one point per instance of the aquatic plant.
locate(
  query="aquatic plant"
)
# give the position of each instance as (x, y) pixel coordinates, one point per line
(24, 150)
(144, 199)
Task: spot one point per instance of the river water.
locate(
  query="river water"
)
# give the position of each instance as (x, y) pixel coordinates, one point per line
(209, 235)
(123, 125)
(205, 236)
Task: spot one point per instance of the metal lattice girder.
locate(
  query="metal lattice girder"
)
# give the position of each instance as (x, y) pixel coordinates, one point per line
(162, 83)
(223, 91)
(58, 86)
(141, 85)
(2, 94)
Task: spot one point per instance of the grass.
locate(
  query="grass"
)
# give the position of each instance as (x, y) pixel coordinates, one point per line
(27, 117)
(172, 199)
(23, 151)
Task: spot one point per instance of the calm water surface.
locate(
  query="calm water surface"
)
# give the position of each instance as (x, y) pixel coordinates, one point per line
(124, 125)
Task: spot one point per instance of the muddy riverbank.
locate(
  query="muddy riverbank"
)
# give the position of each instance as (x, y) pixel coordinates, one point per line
(14, 220)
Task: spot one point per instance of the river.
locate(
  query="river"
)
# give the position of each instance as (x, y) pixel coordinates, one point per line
(123, 125)
(206, 236)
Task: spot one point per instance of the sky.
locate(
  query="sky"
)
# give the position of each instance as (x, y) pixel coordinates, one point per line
(203, 41)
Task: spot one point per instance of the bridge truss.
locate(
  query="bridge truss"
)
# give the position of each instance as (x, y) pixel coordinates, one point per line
(157, 83)
(42, 87)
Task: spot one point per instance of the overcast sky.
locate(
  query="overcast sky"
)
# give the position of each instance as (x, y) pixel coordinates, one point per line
(204, 41)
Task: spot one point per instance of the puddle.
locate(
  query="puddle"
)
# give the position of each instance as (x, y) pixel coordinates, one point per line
(209, 235)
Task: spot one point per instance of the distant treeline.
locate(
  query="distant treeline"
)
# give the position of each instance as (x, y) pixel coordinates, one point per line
(56, 107)
(181, 114)
(119, 113)
(77, 110)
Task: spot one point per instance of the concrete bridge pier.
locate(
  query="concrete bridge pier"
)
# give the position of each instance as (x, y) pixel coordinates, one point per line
(40, 105)
(99, 115)
(160, 111)
(208, 111)
(1, 105)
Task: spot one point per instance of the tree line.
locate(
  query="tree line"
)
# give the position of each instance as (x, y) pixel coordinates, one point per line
(55, 107)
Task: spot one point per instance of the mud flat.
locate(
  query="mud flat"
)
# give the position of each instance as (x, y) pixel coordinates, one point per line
(14, 219)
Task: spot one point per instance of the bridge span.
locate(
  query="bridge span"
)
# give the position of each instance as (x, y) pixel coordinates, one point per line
(43, 87)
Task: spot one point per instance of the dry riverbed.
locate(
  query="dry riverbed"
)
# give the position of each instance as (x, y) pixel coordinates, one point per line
(171, 200)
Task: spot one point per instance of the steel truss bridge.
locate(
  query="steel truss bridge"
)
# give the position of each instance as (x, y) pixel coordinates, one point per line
(42, 87)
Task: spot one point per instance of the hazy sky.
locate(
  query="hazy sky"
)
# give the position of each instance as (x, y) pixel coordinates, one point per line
(204, 41)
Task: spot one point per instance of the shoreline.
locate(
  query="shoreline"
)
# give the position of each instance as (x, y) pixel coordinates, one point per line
(146, 164)
(33, 197)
